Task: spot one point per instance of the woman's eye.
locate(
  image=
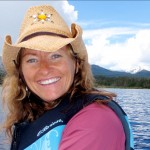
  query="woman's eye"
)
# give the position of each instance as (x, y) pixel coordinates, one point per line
(55, 56)
(33, 60)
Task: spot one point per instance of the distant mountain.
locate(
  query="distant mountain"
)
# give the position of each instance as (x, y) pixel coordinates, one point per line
(97, 70)
(137, 69)
(143, 73)
(1, 65)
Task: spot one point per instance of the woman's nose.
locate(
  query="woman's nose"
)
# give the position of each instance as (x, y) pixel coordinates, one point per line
(44, 68)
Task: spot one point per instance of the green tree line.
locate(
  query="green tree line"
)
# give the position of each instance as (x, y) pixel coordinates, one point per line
(124, 82)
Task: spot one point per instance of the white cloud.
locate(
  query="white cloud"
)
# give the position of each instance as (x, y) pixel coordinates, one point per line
(69, 10)
(133, 51)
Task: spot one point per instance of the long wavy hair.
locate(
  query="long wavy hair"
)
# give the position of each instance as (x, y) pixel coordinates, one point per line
(16, 96)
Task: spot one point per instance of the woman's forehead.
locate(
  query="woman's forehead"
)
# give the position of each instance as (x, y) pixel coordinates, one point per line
(27, 50)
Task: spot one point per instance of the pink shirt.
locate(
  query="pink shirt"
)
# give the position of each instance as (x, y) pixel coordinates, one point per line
(95, 127)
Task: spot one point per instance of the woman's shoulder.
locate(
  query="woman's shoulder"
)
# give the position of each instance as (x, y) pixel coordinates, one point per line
(96, 125)
(96, 115)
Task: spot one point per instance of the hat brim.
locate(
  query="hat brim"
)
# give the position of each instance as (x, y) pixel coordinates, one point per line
(46, 43)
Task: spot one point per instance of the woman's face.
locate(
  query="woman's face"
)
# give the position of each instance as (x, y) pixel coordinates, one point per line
(48, 74)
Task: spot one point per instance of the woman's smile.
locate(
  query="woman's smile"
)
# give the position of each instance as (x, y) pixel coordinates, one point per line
(49, 81)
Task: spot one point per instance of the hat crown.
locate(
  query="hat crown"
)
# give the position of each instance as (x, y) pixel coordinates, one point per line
(43, 18)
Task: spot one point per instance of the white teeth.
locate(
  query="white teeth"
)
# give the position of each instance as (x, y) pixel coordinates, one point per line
(49, 81)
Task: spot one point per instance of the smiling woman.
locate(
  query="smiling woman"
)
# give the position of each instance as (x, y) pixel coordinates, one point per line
(49, 91)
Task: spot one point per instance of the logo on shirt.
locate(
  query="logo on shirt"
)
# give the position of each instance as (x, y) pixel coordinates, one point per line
(48, 126)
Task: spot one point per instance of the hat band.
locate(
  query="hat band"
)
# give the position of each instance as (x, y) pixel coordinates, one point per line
(40, 34)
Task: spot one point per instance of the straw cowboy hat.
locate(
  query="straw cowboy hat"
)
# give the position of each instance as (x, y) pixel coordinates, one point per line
(43, 29)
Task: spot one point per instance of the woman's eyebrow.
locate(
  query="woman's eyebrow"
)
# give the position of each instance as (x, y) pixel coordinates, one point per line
(28, 53)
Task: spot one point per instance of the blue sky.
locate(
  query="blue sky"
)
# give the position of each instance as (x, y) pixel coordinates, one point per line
(116, 33)
(113, 13)
(119, 12)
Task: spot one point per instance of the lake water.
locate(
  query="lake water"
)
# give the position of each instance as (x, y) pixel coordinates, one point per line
(136, 103)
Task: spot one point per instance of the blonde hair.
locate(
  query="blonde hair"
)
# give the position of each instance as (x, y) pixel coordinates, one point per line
(12, 94)
(19, 109)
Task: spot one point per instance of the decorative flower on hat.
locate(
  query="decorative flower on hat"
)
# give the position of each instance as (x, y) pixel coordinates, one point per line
(41, 17)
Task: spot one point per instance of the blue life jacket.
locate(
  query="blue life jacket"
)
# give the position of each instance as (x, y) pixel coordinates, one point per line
(45, 132)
